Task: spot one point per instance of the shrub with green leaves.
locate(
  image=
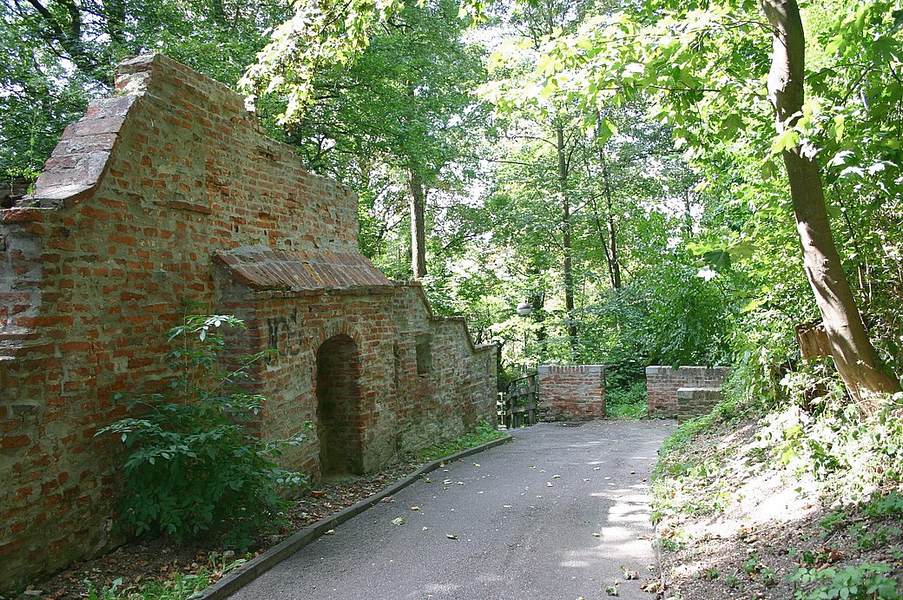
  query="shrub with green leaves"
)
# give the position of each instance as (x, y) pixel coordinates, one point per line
(193, 466)
(861, 582)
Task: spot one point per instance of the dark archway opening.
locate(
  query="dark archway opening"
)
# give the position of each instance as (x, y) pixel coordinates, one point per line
(340, 418)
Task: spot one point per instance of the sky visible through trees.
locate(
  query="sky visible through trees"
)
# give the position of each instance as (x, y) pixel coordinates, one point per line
(661, 182)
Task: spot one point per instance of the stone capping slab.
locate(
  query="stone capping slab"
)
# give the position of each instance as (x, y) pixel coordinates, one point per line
(543, 369)
(256, 567)
(660, 370)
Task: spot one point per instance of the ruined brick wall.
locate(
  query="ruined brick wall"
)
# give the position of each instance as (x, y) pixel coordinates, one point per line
(168, 192)
(662, 384)
(572, 392)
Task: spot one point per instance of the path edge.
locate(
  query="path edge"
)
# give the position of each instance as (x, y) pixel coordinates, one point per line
(259, 565)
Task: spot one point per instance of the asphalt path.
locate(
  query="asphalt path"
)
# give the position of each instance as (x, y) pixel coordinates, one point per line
(560, 513)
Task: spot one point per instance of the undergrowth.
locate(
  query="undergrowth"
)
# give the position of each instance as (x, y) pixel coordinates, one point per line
(179, 586)
(803, 430)
(626, 402)
(481, 434)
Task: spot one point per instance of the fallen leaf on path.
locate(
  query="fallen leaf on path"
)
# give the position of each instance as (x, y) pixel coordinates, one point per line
(415, 508)
(451, 536)
(612, 590)
(398, 521)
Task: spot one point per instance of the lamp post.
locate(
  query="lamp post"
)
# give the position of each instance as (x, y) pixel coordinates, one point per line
(523, 310)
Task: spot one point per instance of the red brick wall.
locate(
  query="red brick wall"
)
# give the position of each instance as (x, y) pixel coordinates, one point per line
(130, 219)
(662, 384)
(572, 392)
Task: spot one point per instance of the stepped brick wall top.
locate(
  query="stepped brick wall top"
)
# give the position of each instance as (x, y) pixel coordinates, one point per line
(572, 392)
(662, 384)
(166, 193)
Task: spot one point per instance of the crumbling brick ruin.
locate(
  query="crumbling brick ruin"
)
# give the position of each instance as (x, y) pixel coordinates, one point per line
(168, 192)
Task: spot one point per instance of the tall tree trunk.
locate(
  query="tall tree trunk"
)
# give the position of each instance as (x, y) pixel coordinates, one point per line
(603, 238)
(612, 231)
(856, 359)
(688, 214)
(218, 11)
(566, 238)
(418, 228)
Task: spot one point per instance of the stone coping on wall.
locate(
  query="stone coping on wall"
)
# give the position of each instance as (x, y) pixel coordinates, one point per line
(692, 369)
(588, 369)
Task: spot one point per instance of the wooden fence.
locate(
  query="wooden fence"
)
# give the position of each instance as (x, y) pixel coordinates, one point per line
(518, 405)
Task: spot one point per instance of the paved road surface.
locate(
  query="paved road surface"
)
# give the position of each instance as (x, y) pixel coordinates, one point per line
(524, 521)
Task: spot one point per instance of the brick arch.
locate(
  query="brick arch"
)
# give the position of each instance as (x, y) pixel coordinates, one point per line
(341, 413)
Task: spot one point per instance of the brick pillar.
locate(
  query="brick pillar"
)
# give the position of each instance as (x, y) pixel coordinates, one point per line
(572, 392)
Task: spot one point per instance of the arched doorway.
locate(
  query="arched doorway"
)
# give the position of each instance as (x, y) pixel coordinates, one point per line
(340, 425)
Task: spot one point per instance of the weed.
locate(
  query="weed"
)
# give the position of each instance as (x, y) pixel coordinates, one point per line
(882, 507)
(869, 539)
(861, 582)
(833, 520)
(670, 545)
(751, 565)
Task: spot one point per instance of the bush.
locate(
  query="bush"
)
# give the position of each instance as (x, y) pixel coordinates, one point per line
(193, 467)
(626, 401)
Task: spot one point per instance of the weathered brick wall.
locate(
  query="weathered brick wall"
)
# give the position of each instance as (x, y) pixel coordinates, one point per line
(662, 384)
(572, 392)
(164, 193)
(693, 402)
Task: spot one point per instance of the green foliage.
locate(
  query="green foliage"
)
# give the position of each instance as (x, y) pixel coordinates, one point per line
(867, 581)
(193, 466)
(626, 403)
(481, 434)
(881, 507)
(855, 456)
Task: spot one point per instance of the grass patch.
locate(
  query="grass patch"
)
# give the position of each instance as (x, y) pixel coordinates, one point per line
(482, 433)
